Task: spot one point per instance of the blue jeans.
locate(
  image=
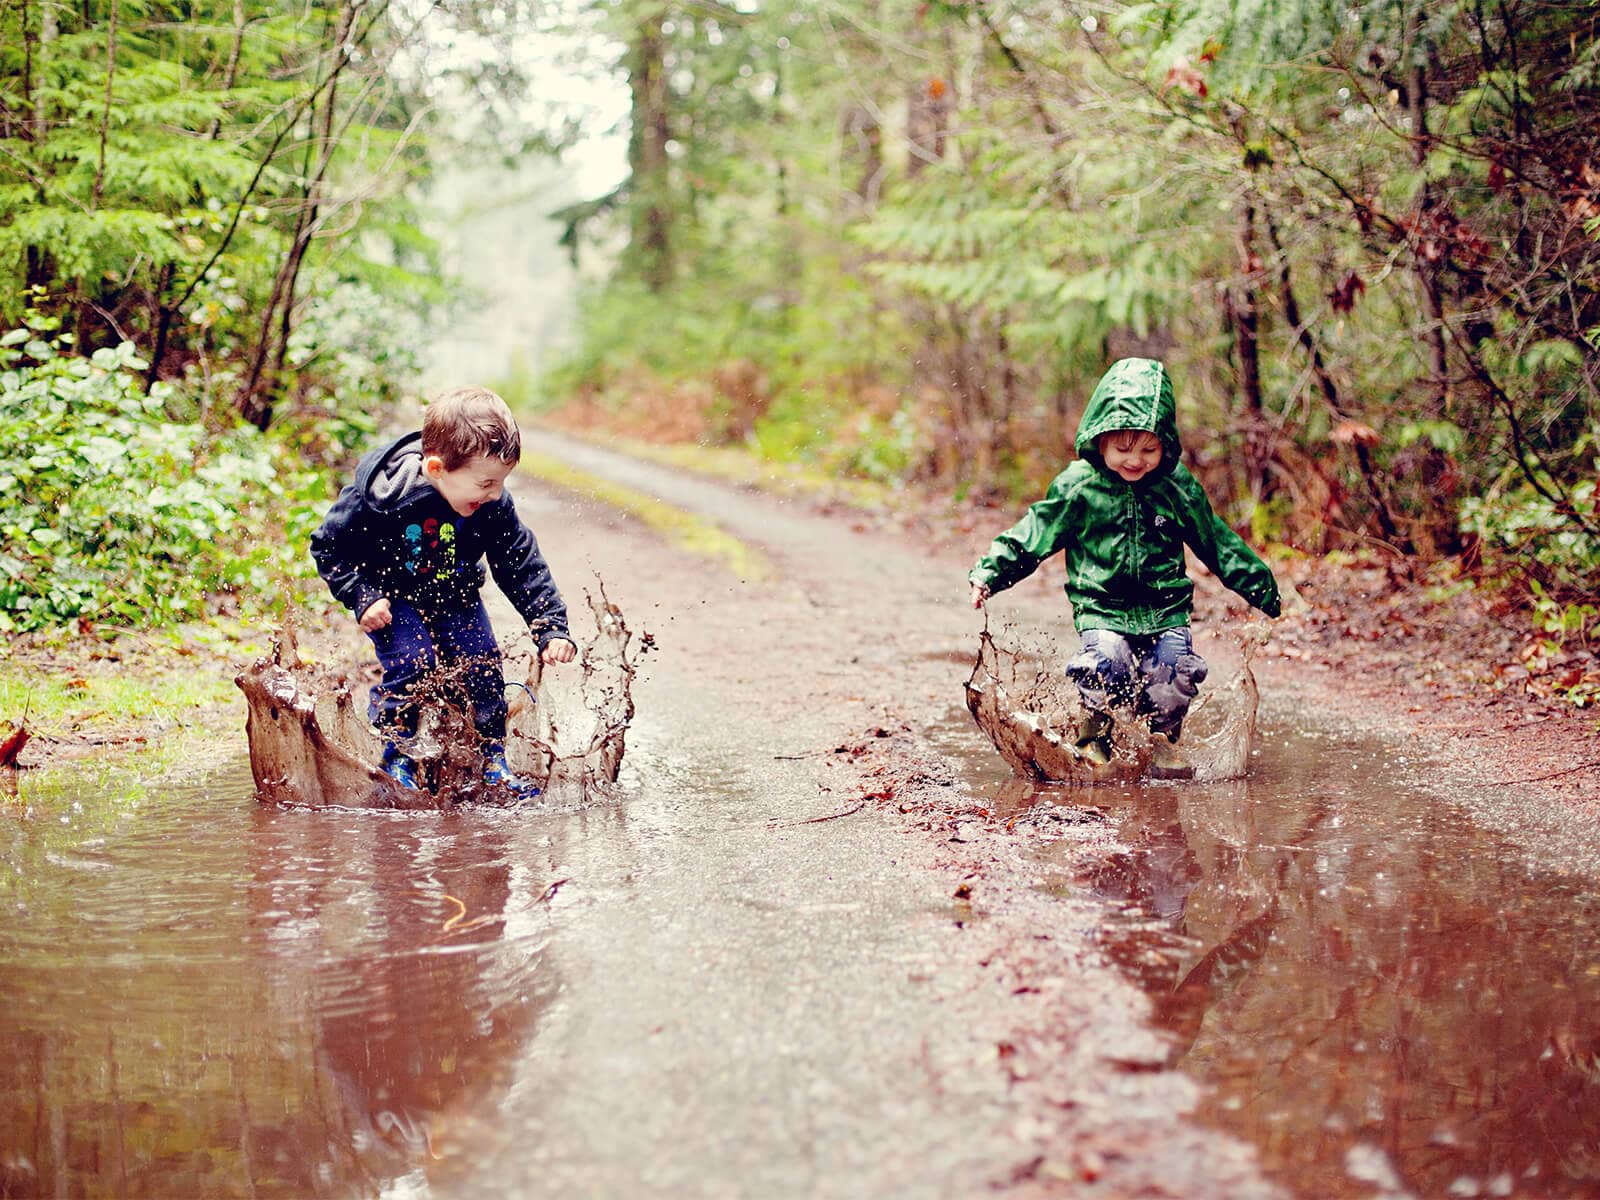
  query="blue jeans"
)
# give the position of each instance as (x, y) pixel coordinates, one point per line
(1158, 675)
(414, 643)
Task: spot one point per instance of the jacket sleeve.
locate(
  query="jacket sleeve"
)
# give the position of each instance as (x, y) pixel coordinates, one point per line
(1017, 552)
(331, 549)
(1225, 553)
(522, 574)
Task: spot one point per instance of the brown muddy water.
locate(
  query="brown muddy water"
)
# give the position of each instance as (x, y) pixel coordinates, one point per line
(202, 996)
(1383, 996)
(662, 993)
(220, 998)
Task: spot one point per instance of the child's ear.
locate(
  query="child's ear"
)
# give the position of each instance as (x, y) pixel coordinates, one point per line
(432, 466)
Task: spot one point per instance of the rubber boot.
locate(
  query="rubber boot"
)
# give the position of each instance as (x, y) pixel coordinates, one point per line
(1094, 737)
(1165, 761)
(497, 772)
(399, 768)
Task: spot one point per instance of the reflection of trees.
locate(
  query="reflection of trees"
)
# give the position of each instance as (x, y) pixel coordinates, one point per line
(416, 1029)
(1215, 904)
(345, 1011)
(1389, 980)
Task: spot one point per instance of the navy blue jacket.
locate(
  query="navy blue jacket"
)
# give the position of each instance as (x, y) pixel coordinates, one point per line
(391, 534)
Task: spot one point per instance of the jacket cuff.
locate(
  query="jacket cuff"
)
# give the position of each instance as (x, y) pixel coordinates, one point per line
(364, 598)
(542, 637)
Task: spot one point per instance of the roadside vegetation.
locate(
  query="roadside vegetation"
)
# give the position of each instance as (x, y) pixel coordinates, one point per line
(216, 277)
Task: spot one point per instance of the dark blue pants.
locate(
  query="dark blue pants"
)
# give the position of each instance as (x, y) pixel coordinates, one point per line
(414, 643)
(1158, 675)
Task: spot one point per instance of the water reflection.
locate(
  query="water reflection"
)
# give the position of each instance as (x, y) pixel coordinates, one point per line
(1382, 995)
(275, 1004)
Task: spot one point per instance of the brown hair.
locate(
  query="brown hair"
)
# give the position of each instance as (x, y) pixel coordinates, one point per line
(1124, 439)
(466, 422)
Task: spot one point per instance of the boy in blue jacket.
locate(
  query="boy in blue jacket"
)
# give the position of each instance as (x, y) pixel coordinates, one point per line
(403, 548)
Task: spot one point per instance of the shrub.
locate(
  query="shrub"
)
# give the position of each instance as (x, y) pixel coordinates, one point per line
(111, 511)
(1523, 532)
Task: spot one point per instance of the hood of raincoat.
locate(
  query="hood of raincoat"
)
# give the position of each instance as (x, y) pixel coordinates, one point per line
(1134, 393)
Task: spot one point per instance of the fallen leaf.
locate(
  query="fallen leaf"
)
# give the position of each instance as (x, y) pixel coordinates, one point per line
(1353, 433)
(12, 746)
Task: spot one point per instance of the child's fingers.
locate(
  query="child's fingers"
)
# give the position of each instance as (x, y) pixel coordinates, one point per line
(559, 651)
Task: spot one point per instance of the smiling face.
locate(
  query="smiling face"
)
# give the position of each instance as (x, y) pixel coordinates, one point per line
(1130, 454)
(477, 482)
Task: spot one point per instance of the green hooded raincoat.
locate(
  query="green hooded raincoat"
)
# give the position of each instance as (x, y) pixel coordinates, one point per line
(1124, 541)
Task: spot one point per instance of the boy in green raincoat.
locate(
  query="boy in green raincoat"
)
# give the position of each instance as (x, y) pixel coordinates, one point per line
(1122, 514)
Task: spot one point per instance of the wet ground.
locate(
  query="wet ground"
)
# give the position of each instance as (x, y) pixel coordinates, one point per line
(664, 996)
(734, 977)
(1380, 995)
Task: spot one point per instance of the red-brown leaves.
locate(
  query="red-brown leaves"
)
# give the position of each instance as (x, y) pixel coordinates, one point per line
(1353, 433)
(13, 744)
(1344, 293)
(1184, 76)
(1439, 235)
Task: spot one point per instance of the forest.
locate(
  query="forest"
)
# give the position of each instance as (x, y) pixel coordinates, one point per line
(890, 239)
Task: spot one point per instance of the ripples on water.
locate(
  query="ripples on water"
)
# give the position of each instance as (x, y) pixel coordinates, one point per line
(215, 998)
(202, 996)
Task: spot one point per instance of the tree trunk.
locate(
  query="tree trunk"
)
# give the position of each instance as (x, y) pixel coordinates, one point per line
(1426, 254)
(863, 144)
(35, 116)
(105, 117)
(47, 35)
(230, 76)
(650, 234)
(1325, 383)
(25, 110)
(927, 122)
(163, 324)
(255, 401)
(1246, 311)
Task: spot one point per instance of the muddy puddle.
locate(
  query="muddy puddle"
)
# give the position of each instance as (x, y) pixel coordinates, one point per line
(1380, 995)
(674, 992)
(206, 996)
(212, 997)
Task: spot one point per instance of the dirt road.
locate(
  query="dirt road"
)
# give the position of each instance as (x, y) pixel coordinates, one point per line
(761, 1002)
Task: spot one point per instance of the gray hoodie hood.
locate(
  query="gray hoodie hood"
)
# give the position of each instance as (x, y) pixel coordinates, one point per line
(396, 479)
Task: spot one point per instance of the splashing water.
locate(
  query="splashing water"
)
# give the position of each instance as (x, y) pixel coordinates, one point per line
(310, 744)
(1020, 696)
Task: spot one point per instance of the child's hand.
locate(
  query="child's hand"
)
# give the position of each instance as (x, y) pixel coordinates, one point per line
(980, 593)
(558, 650)
(377, 615)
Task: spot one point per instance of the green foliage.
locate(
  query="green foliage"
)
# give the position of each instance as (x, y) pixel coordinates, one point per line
(1533, 536)
(113, 513)
(172, 176)
(1441, 435)
(1398, 329)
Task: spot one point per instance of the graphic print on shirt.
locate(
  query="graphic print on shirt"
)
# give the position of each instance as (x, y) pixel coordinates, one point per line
(431, 547)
